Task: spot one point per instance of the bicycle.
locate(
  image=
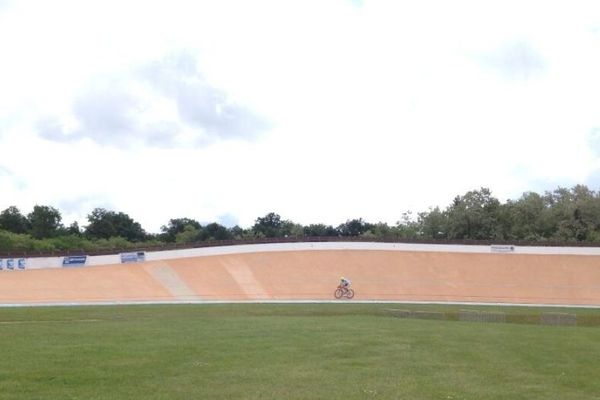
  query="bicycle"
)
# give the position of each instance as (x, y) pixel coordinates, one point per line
(342, 291)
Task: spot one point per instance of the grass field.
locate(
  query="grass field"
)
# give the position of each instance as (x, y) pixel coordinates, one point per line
(301, 351)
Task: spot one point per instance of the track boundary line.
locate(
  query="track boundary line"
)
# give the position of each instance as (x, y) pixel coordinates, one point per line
(208, 302)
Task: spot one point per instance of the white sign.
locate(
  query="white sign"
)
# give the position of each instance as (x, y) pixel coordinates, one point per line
(502, 248)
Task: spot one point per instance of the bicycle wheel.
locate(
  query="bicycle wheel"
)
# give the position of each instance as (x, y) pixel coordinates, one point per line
(338, 293)
(350, 293)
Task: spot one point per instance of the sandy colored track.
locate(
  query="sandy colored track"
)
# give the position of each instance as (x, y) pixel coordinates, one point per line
(313, 275)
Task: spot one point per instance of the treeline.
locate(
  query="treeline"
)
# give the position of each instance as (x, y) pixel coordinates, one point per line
(565, 215)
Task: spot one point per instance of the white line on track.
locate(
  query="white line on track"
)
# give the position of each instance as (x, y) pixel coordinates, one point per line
(120, 303)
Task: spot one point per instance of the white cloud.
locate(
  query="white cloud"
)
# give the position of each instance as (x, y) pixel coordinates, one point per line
(160, 103)
(517, 60)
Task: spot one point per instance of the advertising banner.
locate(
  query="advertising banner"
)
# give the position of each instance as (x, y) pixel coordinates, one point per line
(501, 248)
(21, 263)
(1, 264)
(139, 256)
(74, 261)
(10, 264)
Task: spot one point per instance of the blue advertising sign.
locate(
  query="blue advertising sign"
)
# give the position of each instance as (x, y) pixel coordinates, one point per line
(10, 264)
(1, 263)
(139, 256)
(21, 263)
(74, 261)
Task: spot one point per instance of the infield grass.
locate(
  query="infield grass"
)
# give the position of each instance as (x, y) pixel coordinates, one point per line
(294, 351)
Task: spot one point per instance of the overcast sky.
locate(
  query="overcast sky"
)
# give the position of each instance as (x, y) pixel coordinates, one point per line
(321, 111)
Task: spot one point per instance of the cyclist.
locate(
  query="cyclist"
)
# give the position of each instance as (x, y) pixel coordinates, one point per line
(345, 283)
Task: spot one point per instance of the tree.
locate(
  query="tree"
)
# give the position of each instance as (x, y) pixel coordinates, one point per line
(587, 213)
(12, 220)
(407, 227)
(100, 224)
(127, 228)
(189, 234)
(378, 230)
(177, 225)
(105, 224)
(239, 233)
(74, 229)
(315, 230)
(45, 222)
(215, 231)
(574, 213)
(290, 228)
(526, 217)
(354, 227)
(433, 224)
(473, 216)
(268, 226)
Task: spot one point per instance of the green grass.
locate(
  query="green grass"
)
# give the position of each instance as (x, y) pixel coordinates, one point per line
(301, 351)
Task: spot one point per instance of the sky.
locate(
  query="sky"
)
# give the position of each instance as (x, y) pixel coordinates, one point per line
(321, 111)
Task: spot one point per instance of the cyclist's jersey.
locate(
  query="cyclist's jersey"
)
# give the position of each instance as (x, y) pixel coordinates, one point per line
(344, 282)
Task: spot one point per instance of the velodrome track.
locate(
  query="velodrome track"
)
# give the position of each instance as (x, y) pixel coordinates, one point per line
(306, 272)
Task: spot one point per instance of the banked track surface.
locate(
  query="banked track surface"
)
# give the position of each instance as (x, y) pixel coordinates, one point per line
(312, 275)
